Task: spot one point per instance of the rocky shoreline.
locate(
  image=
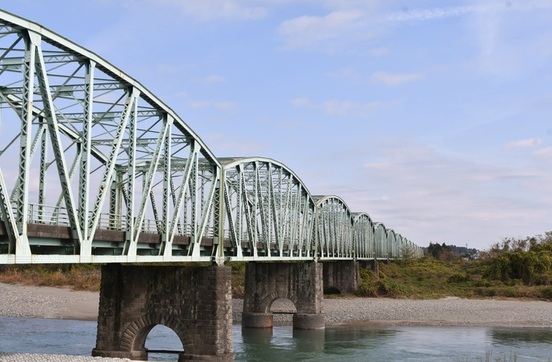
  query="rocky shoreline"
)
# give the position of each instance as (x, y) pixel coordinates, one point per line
(48, 302)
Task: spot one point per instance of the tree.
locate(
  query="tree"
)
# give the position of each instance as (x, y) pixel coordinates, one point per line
(528, 260)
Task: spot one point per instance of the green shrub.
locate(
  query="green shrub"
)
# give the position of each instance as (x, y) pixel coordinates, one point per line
(546, 293)
(459, 278)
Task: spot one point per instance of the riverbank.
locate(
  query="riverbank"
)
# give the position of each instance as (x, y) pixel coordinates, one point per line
(61, 303)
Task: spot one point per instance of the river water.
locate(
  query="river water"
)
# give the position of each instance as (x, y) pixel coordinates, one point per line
(356, 343)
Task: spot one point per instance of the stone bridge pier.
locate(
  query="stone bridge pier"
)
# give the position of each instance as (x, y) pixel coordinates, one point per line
(301, 283)
(341, 276)
(372, 265)
(195, 302)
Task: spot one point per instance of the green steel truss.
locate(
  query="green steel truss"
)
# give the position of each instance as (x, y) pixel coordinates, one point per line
(87, 149)
(269, 213)
(94, 168)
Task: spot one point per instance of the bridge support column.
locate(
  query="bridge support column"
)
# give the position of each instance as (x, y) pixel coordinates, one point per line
(301, 283)
(195, 302)
(341, 275)
(371, 265)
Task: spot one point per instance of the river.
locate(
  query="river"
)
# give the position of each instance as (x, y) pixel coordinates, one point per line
(351, 343)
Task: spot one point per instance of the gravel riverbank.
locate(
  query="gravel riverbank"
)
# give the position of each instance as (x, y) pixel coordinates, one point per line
(47, 302)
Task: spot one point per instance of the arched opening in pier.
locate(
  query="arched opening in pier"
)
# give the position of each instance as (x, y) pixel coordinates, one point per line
(331, 290)
(162, 343)
(282, 310)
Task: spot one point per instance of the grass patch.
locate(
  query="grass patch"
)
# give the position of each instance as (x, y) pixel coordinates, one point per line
(425, 278)
(428, 278)
(238, 278)
(74, 276)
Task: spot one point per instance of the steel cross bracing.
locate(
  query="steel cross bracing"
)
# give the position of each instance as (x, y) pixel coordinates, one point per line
(380, 235)
(364, 239)
(334, 228)
(95, 169)
(269, 212)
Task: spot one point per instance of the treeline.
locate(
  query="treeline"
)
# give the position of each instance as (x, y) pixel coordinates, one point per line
(513, 268)
(527, 260)
(449, 252)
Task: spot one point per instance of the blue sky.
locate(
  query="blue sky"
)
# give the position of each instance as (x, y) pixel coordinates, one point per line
(432, 116)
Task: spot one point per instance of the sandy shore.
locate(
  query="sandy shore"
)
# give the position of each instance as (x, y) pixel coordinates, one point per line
(46, 302)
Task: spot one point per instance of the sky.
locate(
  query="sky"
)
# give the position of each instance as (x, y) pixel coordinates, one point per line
(434, 117)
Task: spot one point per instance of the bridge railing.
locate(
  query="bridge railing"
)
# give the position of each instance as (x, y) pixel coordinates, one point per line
(57, 215)
(47, 215)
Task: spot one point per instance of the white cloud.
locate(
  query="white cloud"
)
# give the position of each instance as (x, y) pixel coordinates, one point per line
(343, 108)
(329, 32)
(378, 52)
(222, 105)
(478, 7)
(349, 74)
(429, 14)
(393, 79)
(544, 153)
(531, 142)
(301, 102)
(216, 9)
(338, 107)
(215, 78)
(232, 146)
(506, 33)
(433, 197)
(349, 25)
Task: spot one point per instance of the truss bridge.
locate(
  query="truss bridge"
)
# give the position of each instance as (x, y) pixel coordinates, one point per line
(95, 168)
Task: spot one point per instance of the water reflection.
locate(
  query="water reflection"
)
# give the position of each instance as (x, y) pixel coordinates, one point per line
(347, 340)
(329, 344)
(282, 343)
(312, 341)
(369, 343)
(510, 337)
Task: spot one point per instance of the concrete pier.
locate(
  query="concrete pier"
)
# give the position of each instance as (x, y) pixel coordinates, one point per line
(301, 283)
(342, 276)
(195, 302)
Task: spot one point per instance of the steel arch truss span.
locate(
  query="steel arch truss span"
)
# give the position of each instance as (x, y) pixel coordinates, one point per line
(364, 238)
(334, 228)
(95, 168)
(392, 249)
(269, 212)
(382, 250)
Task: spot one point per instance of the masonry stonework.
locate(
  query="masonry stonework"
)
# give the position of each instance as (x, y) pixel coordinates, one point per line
(341, 275)
(195, 302)
(301, 283)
